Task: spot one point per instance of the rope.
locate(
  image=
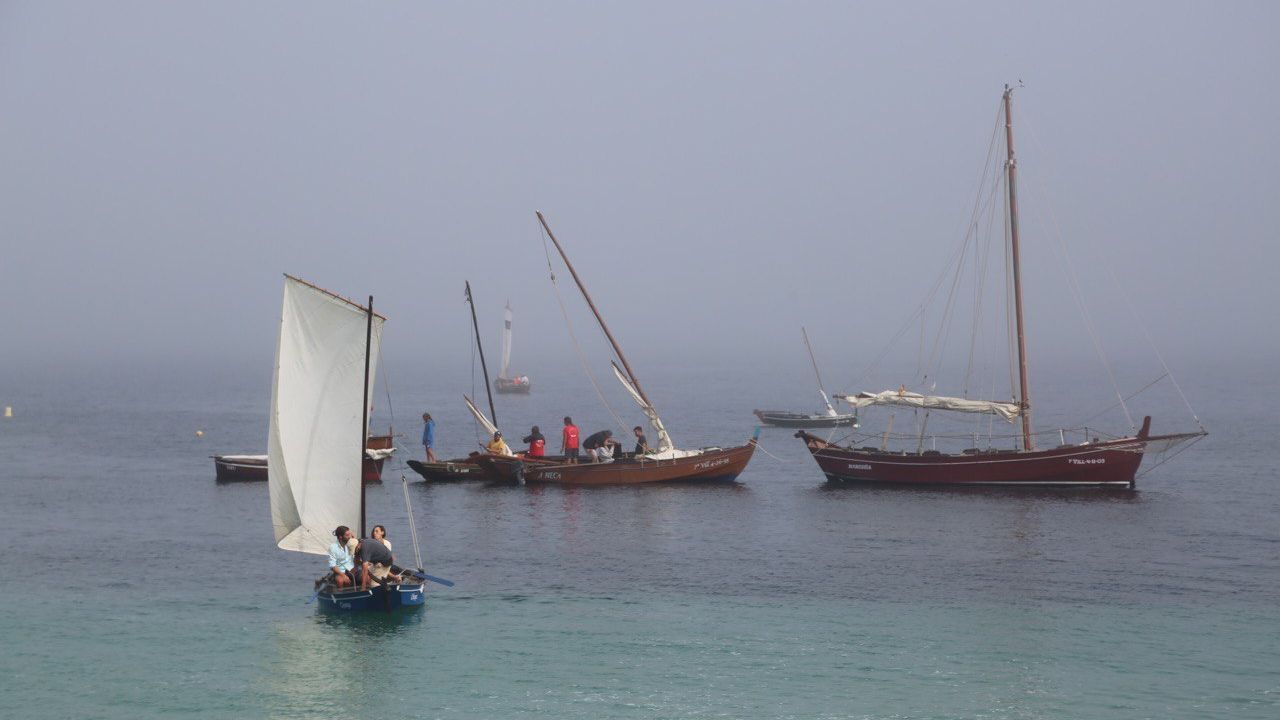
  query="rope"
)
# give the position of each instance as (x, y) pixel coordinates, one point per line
(1134, 311)
(413, 527)
(582, 358)
(1076, 293)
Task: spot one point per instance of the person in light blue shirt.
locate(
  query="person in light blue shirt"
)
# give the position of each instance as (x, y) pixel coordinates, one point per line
(429, 436)
(340, 560)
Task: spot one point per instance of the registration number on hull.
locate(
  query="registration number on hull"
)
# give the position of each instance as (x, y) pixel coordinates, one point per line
(708, 464)
(1087, 461)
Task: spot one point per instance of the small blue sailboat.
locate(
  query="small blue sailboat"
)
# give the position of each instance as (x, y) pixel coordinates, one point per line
(327, 350)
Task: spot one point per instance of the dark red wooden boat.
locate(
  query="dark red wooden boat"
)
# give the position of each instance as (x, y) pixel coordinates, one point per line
(665, 464)
(707, 465)
(1093, 463)
(1111, 463)
(253, 468)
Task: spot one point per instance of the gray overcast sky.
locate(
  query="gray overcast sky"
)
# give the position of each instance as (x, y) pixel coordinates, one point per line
(720, 172)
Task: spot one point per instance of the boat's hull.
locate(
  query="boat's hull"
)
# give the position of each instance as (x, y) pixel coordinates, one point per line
(384, 598)
(1105, 464)
(512, 387)
(450, 470)
(708, 466)
(240, 468)
(782, 418)
(468, 468)
(249, 468)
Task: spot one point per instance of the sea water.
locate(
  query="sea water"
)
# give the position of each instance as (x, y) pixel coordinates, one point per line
(136, 586)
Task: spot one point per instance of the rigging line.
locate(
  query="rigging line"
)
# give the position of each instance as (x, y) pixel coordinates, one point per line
(982, 262)
(582, 358)
(1134, 311)
(386, 385)
(1112, 406)
(1185, 447)
(1073, 282)
(413, 526)
(970, 234)
(942, 275)
(475, 423)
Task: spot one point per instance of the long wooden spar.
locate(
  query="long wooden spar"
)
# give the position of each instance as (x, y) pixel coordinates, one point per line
(590, 303)
(1012, 166)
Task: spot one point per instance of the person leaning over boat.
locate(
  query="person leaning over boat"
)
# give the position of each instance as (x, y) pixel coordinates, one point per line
(498, 446)
(642, 442)
(537, 443)
(600, 446)
(569, 441)
(376, 562)
(341, 562)
(429, 436)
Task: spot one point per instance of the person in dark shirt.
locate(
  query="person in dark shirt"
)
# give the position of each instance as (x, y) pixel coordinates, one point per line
(375, 561)
(642, 443)
(600, 446)
(537, 443)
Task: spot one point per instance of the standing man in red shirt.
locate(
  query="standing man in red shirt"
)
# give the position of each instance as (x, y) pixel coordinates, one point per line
(569, 441)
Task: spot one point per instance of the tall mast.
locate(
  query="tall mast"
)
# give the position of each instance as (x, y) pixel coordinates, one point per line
(364, 405)
(493, 414)
(1012, 168)
(816, 374)
(634, 381)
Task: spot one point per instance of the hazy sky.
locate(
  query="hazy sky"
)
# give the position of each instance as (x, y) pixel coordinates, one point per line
(720, 172)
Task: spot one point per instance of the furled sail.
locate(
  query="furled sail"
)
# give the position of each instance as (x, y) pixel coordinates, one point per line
(314, 462)
(1008, 411)
(506, 341)
(664, 440)
(480, 416)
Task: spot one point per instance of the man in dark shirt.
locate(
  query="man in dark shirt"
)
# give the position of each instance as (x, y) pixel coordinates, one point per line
(642, 443)
(375, 561)
(600, 446)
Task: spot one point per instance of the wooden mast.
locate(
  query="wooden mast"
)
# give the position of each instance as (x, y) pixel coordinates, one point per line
(635, 382)
(1012, 167)
(493, 414)
(364, 407)
(814, 360)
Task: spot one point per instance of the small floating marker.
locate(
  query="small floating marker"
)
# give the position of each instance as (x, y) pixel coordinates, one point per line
(199, 433)
(8, 411)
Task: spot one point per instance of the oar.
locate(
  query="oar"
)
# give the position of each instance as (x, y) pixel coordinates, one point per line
(432, 578)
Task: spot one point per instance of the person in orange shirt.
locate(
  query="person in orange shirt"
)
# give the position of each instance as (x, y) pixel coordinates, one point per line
(569, 441)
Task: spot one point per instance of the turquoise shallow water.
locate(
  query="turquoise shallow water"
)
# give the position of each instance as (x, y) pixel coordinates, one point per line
(776, 597)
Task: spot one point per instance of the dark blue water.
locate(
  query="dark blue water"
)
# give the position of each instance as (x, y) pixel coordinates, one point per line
(142, 588)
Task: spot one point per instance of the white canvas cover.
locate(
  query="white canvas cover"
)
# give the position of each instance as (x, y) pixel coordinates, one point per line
(1008, 411)
(664, 440)
(506, 341)
(314, 445)
(480, 416)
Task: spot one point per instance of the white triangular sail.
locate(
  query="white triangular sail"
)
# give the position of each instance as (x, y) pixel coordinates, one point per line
(506, 341)
(1008, 411)
(314, 462)
(480, 416)
(664, 440)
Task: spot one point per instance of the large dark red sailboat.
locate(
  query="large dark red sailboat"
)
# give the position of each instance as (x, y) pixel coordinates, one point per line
(1095, 462)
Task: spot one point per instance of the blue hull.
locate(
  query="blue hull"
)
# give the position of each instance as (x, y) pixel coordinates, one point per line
(384, 598)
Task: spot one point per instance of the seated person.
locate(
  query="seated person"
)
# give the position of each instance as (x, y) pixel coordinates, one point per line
(498, 446)
(599, 446)
(642, 442)
(376, 561)
(341, 562)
